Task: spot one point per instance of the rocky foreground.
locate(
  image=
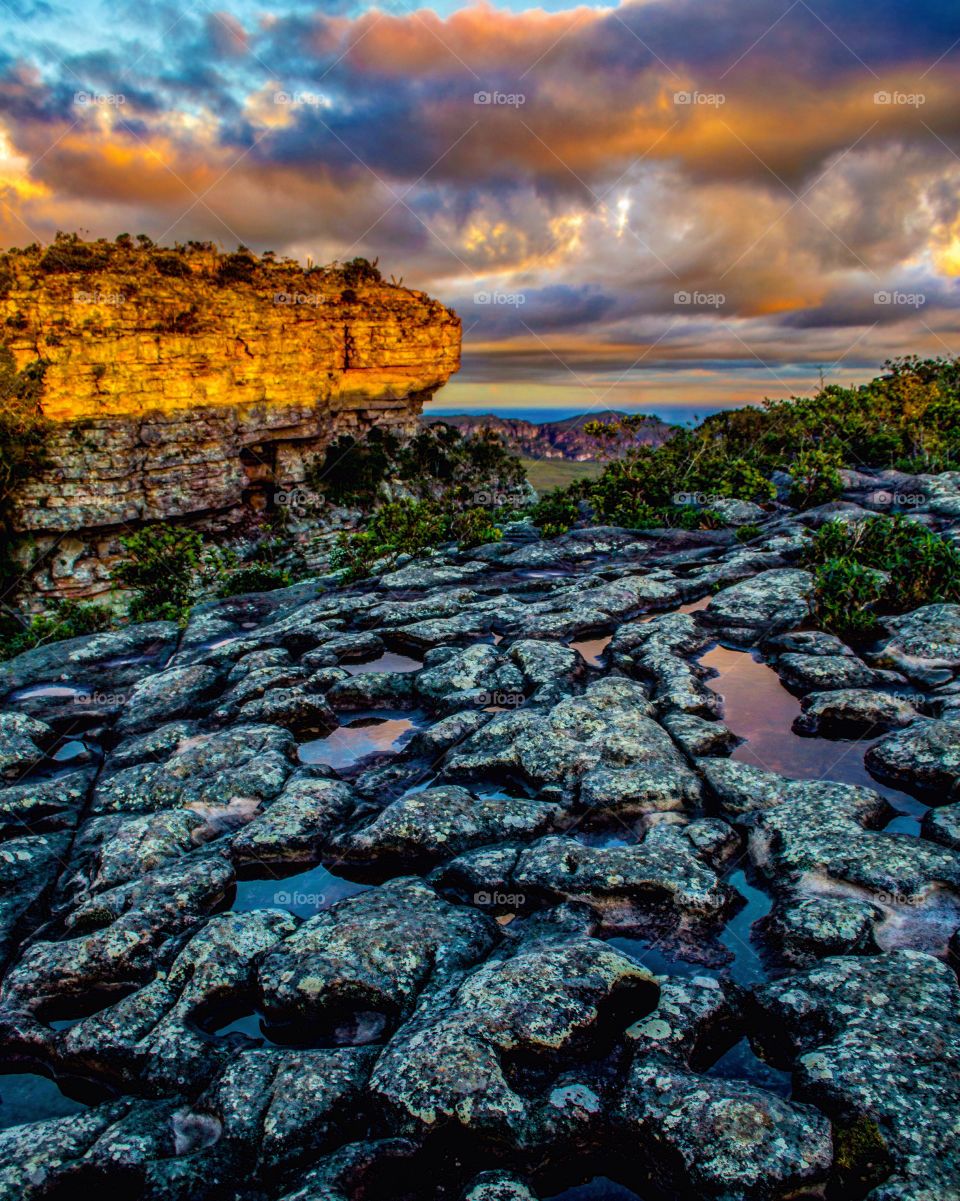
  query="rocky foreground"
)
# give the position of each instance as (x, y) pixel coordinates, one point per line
(456, 884)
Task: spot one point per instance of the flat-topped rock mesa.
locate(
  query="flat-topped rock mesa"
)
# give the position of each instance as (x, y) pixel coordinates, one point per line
(186, 382)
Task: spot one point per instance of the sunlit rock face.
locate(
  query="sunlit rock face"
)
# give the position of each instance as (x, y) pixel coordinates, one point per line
(196, 394)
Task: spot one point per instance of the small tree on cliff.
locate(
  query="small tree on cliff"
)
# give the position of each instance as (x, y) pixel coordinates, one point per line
(23, 450)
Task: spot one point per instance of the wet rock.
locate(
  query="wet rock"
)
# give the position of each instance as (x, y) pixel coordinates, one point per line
(22, 740)
(44, 804)
(296, 710)
(745, 791)
(345, 648)
(153, 1038)
(207, 769)
(548, 669)
(712, 1137)
(298, 825)
(925, 644)
(353, 1169)
(29, 867)
(372, 953)
(695, 1018)
(498, 1186)
(943, 825)
(373, 690)
(116, 939)
(604, 744)
(130, 1141)
(763, 606)
(110, 660)
(853, 712)
(583, 609)
(157, 744)
(282, 1109)
(663, 872)
(446, 1066)
(177, 692)
(924, 757)
(876, 1041)
(439, 823)
(657, 650)
(816, 673)
(478, 675)
(697, 737)
(808, 642)
(802, 930)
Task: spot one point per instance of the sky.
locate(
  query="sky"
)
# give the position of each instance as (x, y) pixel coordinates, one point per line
(667, 206)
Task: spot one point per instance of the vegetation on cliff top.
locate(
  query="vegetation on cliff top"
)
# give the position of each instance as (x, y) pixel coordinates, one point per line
(908, 418)
(68, 253)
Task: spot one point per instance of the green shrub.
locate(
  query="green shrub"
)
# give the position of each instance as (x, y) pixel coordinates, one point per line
(352, 471)
(883, 565)
(473, 527)
(24, 434)
(254, 577)
(360, 271)
(66, 619)
(163, 569)
(555, 513)
(815, 478)
(236, 268)
(68, 253)
(747, 533)
(172, 265)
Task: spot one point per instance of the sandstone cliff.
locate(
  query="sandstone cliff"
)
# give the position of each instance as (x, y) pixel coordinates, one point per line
(189, 384)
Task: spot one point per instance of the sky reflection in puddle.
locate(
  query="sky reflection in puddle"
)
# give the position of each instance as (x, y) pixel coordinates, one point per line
(362, 735)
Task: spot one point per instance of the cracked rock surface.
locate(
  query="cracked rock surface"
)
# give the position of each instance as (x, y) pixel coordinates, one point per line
(475, 883)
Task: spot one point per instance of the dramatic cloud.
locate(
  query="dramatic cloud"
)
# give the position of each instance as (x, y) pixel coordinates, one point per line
(744, 193)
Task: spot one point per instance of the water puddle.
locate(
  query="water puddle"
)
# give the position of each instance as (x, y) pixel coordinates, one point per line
(363, 736)
(53, 692)
(591, 650)
(31, 1097)
(757, 708)
(358, 1029)
(599, 1188)
(696, 605)
(656, 957)
(304, 894)
(742, 1063)
(747, 967)
(389, 661)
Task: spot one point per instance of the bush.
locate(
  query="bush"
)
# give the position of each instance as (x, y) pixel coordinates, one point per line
(747, 533)
(254, 577)
(360, 271)
(236, 268)
(815, 478)
(409, 527)
(23, 449)
(352, 471)
(883, 565)
(172, 265)
(66, 619)
(555, 513)
(68, 253)
(164, 570)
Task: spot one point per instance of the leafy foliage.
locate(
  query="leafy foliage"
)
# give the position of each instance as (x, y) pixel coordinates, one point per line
(409, 527)
(23, 449)
(163, 569)
(66, 619)
(881, 565)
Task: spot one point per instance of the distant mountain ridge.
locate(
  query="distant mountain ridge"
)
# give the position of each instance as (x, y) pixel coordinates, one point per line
(557, 439)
